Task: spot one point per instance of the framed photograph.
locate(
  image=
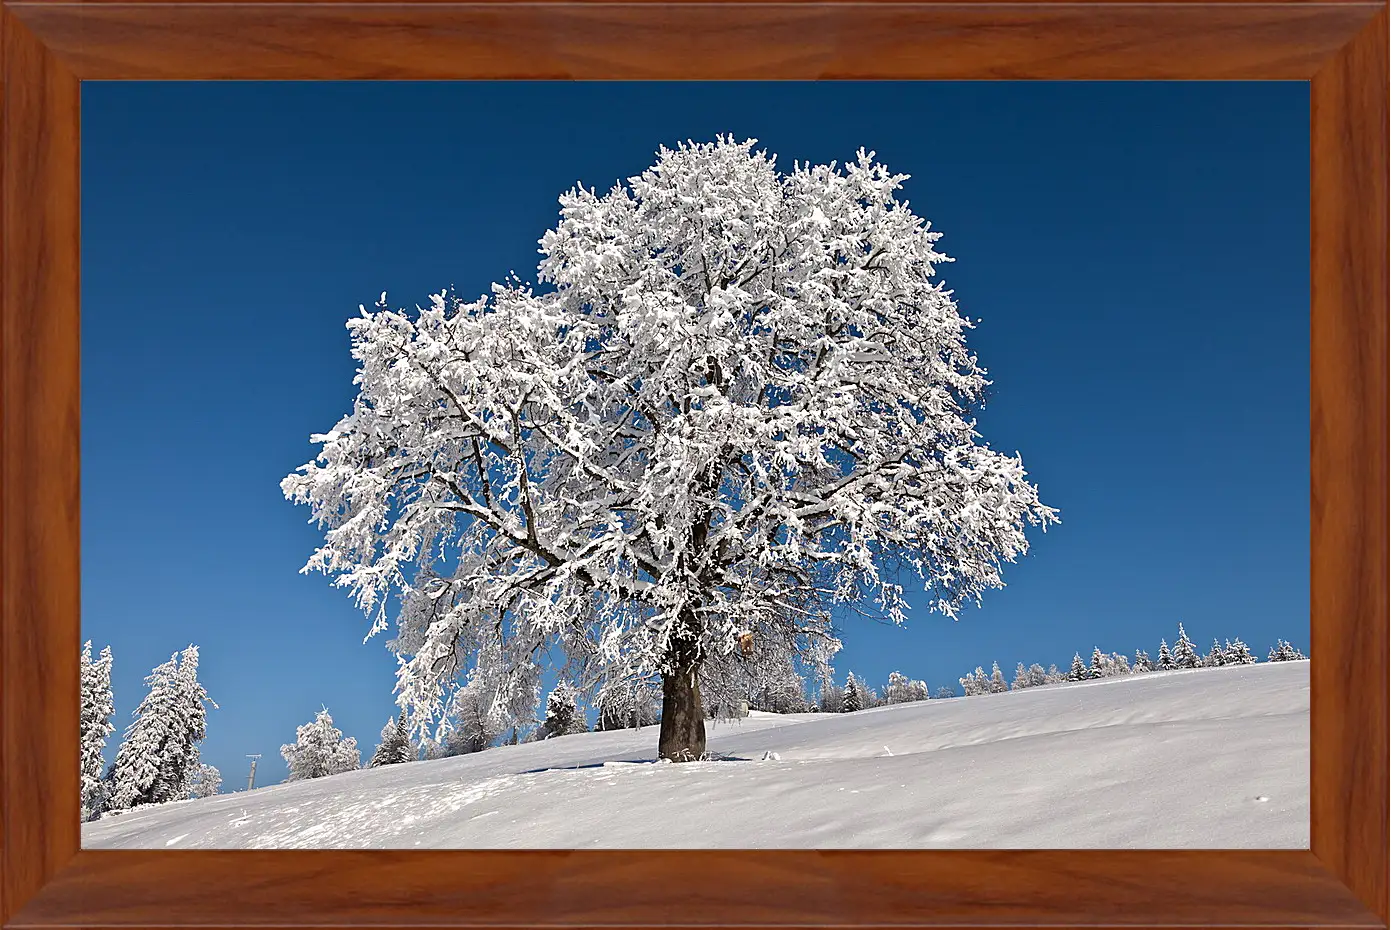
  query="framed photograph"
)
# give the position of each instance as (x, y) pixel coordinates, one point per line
(701, 394)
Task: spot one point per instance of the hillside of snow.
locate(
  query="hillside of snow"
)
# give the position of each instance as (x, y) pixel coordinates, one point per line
(1212, 758)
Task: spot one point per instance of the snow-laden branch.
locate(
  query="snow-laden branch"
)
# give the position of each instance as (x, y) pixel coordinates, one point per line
(741, 398)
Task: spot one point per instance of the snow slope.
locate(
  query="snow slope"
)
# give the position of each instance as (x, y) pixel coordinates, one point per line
(1213, 758)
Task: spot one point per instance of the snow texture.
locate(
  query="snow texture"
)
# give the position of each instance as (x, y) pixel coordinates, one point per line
(1209, 758)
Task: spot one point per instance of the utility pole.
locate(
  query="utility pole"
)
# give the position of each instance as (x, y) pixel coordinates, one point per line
(251, 779)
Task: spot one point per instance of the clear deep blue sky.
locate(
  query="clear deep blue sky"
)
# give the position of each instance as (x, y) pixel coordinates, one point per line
(1138, 254)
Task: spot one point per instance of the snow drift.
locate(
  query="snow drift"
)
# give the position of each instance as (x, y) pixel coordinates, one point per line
(1211, 758)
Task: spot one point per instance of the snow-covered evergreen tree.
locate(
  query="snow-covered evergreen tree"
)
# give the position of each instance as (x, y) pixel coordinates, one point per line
(562, 712)
(158, 757)
(206, 783)
(1078, 671)
(854, 695)
(320, 749)
(1100, 663)
(1238, 653)
(945, 692)
(1053, 675)
(832, 699)
(1166, 658)
(997, 683)
(105, 791)
(740, 402)
(1184, 656)
(395, 746)
(95, 713)
(1142, 662)
(902, 690)
(1021, 678)
(1284, 652)
(1216, 656)
(977, 682)
(1120, 665)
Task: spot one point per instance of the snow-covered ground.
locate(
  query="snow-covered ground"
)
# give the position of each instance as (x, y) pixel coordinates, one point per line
(1200, 759)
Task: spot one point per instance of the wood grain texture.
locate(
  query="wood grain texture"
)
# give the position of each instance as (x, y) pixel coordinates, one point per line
(38, 464)
(1348, 463)
(47, 46)
(752, 889)
(695, 40)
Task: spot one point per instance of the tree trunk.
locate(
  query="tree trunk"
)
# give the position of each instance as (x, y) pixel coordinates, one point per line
(682, 737)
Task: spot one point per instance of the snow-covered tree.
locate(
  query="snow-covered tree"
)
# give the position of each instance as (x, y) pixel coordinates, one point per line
(1184, 654)
(158, 757)
(1021, 678)
(320, 749)
(1053, 676)
(854, 695)
(395, 746)
(626, 704)
(738, 400)
(1100, 664)
(105, 789)
(563, 715)
(832, 699)
(1166, 658)
(1119, 665)
(1078, 671)
(945, 692)
(997, 684)
(1142, 662)
(1238, 653)
(1216, 656)
(763, 674)
(902, 690)
(1284, 652)
(975, 683)
(206, 783)
(96, 710)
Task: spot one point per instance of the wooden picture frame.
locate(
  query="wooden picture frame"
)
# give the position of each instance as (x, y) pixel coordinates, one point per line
(50, 46)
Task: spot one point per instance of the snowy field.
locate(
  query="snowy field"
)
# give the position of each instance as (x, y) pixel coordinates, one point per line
(1213, 758)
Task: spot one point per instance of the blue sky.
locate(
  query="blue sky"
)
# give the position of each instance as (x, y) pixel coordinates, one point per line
(1138, 254)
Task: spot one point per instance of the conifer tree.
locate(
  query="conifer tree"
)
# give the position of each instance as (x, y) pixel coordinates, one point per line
(1053, 675)
(97, 708)
(1284, 652)
(1021, 678)
(1078, 672)
(395, 746)
(1099, 664)
(945, 692)
(320, 749)
(1166, 658)
(976, 682)
(902, 690)
(1238, 653)
(1216, 656)
(1142, 662)
(1184, 654)
(854, 695)
(158, 758)
(562, 712)
(832, 698)
(997, 679)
